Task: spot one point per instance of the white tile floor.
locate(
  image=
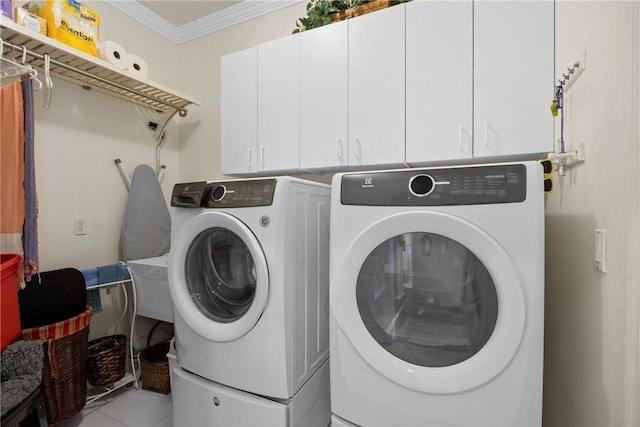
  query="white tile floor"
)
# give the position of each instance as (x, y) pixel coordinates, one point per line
(130, 408)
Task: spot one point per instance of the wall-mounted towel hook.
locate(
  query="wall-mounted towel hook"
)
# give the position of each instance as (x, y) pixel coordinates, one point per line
(123, 174)
(568, 159)
(46, 100)
(161, 173)
(159, 167)
(161, 141)
(573, 72)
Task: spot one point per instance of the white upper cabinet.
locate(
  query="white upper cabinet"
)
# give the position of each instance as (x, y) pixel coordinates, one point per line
(377, 88)
(324, 97)
(239, 112)
(513, 77)
(279, 104)
(439, 88)
(424, 82)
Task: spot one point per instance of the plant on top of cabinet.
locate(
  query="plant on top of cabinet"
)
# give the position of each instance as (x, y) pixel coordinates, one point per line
(318, 13)
(324, 12)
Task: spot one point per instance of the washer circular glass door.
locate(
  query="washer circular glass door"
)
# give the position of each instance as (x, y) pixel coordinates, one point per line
(430, 301)
(218, 276)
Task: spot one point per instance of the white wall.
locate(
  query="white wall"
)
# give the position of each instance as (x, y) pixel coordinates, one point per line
(200, 131)
(587, 326)
(586, 356)
(76, 142)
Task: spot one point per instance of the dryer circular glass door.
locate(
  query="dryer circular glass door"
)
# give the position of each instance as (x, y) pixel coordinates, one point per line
(218, 276)
(430, 301)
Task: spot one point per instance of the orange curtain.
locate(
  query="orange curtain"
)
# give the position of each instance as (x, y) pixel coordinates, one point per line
(12, 204)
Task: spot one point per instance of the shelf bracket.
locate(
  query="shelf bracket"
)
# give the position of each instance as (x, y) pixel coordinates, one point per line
(159, 135)
(158, 128)
(568, 159)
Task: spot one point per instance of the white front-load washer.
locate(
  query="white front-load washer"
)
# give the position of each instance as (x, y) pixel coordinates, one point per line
(437, 289)
(249, 280)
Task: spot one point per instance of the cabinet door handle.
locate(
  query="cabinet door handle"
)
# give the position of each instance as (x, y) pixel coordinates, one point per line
(486, 134)
(249, 158)
(340, 150)
(263, 149)
(460, 144)
(358, 153)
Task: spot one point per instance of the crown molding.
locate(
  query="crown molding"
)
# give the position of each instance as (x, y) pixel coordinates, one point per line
(233, 15)
(146, 17)
(230, 16)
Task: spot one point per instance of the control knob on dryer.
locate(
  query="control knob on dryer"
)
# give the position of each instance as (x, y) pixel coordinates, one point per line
(422, 185)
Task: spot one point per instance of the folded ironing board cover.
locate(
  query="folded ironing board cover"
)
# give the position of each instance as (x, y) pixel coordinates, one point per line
(146, 230)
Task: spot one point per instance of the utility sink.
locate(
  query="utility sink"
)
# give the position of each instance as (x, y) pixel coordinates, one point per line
(152, 288)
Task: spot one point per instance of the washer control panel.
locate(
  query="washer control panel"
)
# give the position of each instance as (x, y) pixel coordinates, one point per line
(436, 187)
(237, 194)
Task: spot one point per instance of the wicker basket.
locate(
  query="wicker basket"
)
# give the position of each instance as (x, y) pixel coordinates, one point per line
(64, 367)
(155, 368)
(107, 360)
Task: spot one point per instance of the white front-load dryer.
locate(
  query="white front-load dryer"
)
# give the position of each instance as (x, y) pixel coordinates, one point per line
(249, 278)
(437, 289)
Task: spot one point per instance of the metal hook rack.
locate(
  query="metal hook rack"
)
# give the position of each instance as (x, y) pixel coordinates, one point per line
(563, 159)
(573, 72)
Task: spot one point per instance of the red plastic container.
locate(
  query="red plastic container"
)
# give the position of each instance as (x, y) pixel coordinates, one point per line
(9, 309)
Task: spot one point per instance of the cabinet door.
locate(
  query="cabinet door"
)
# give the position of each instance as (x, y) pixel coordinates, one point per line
(513, 77)
(439, 81)
(376, 88)
(324, 97)
(239, 111)
(279, 104)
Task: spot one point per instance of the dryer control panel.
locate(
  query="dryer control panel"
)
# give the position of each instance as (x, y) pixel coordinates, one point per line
(239, 194)
(188, 194)
(436, 187)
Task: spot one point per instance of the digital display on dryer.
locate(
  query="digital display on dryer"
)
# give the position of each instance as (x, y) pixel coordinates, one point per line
(436, 187)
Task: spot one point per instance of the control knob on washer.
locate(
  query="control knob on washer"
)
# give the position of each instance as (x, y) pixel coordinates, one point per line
(218, 193)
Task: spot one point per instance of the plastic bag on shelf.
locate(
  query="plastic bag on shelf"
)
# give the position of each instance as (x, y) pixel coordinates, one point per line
(73, 24)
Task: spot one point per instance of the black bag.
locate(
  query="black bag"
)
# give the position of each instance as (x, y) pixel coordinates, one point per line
(52, 297)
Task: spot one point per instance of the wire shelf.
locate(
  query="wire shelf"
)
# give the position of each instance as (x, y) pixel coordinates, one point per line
(88, 71)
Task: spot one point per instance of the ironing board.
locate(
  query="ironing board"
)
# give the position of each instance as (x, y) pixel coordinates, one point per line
(146, 231)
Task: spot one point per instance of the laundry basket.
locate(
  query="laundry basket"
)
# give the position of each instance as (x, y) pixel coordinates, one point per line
(107, 360)
(10, 325)
(64, 367)
(155, 368)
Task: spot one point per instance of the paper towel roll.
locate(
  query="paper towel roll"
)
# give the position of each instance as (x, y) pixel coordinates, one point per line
(113, 53)
(138, 66)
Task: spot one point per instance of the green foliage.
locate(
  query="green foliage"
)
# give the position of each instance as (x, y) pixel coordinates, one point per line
(319, 11)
